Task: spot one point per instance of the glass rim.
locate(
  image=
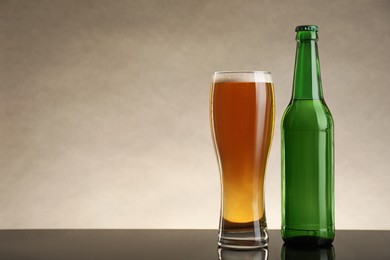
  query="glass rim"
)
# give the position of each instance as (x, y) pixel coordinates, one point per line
(242, 72)
(242, 76)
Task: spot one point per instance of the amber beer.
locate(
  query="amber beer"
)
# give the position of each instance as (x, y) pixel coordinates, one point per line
(242, 121)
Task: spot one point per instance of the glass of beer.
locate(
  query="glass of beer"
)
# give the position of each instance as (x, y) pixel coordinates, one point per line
(242, 115)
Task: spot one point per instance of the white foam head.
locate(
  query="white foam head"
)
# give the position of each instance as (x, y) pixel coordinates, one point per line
(242, 76)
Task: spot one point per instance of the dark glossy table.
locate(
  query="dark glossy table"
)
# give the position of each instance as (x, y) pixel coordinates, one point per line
(175, 244)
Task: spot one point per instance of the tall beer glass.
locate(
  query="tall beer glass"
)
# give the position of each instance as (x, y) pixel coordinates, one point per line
(242, 123)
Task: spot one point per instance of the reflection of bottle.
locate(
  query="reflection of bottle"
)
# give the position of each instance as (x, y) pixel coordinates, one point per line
(258, 254)
(307, 152)
(308, 253)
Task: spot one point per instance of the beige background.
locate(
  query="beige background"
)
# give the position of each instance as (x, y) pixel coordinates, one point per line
(104, 107)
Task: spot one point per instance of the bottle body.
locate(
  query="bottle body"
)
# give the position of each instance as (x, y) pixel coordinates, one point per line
(307, 173)
(307, 131)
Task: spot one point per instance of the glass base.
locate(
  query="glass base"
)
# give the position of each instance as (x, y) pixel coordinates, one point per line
(243, 236)
(229, 254)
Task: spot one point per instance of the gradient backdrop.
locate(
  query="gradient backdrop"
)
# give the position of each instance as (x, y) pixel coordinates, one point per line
(104, 107)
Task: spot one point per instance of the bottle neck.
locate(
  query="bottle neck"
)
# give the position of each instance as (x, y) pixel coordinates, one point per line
(307, 75)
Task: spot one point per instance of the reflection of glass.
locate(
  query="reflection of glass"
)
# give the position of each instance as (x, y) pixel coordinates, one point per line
(308, 253)
(258, 254)
(242, 122)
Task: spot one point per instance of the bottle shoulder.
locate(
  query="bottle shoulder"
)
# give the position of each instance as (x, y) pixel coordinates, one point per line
(307, 115)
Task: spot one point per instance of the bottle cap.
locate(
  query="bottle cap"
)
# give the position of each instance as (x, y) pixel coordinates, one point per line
(312, 28)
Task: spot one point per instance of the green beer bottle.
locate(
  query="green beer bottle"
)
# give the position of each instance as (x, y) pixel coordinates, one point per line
(307, 152)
